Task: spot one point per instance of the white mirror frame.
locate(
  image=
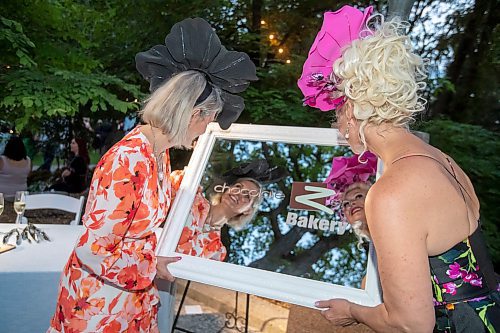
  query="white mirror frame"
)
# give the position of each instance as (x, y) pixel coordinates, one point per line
(282, 287)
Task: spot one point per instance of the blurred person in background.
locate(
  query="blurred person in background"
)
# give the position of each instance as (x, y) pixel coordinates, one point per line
(74, 175)
(15, 166)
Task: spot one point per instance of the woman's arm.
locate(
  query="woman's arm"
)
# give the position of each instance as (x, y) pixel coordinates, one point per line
(394, 214)
(114, 204)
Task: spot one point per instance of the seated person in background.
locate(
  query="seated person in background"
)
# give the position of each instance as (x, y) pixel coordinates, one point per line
(73, 176)
(15, 166)
(236, 204)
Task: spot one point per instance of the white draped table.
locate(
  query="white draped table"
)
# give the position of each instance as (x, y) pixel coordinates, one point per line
(29, 278)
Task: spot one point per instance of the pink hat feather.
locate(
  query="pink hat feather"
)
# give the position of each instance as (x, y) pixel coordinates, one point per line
(348, 170)
(339, 29)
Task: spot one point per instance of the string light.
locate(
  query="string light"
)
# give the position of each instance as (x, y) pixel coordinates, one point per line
(288, 61)
(280, 50)
(271, 36)
(262, 22)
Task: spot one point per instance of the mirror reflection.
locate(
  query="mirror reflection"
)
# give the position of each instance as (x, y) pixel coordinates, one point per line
(280, 207)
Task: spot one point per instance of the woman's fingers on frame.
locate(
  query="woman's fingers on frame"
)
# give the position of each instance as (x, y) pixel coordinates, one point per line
(162, 270)
(167, 276)
(322, 304)
(163, 273)
(328, 314)
(168, 260)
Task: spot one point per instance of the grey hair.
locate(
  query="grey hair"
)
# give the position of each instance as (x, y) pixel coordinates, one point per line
(171, 106)
(239, 222)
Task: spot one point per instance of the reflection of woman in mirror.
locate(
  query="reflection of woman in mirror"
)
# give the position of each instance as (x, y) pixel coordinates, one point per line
(236, 206)
(234, 203)
(422, 213)
(353, 208)
(351, 180)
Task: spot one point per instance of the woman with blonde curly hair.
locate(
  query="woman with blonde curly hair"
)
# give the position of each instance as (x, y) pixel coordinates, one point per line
(422, 213)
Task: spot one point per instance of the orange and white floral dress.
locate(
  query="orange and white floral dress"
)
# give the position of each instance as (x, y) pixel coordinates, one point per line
(107, 285)
(194, 240)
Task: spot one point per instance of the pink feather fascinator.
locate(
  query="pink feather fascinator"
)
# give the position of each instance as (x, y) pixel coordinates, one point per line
(317, 82)
(348, 170)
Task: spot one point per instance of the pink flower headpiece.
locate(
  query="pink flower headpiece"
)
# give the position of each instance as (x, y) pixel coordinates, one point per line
(348, 170)
(318, 83)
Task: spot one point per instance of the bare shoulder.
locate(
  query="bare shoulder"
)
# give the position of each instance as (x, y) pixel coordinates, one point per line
(400, 196)
(408, 177)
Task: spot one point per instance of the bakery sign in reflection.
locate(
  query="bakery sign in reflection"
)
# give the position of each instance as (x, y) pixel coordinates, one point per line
(312, 196)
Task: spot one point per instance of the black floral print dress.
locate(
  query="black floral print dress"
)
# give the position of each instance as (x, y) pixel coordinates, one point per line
(465, 288)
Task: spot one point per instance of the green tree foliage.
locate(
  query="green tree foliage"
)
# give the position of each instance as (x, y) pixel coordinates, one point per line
(15, 44)
(34, 95)
(276, 100)
(460, 41)
(55, 74)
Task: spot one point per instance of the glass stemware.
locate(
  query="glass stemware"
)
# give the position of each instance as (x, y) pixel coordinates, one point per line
(1, 203)
(20, 205)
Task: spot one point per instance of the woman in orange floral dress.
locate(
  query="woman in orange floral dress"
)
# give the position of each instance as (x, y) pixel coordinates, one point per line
(107, 283)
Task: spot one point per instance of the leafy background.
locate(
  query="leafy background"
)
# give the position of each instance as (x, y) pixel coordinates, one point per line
(63, 60)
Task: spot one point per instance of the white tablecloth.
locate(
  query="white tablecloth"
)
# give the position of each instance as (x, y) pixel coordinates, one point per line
(29, 278)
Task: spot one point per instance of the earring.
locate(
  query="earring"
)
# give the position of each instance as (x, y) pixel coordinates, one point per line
(346, 136)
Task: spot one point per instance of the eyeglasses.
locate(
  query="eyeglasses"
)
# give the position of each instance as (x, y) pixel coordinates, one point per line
(348, 202)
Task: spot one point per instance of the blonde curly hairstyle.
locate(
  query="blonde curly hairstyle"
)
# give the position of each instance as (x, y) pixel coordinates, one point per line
(381, 77)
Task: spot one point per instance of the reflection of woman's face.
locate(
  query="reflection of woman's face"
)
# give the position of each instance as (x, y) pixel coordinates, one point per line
(353, 204)
(240, 197)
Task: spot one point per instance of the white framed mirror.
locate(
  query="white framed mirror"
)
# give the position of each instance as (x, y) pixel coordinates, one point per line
(296, 251)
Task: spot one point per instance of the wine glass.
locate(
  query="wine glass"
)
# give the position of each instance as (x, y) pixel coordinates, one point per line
(1, 203)
(20, 205)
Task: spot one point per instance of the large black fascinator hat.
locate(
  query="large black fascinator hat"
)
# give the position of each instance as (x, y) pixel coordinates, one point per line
(192, 44)
(259, 169)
